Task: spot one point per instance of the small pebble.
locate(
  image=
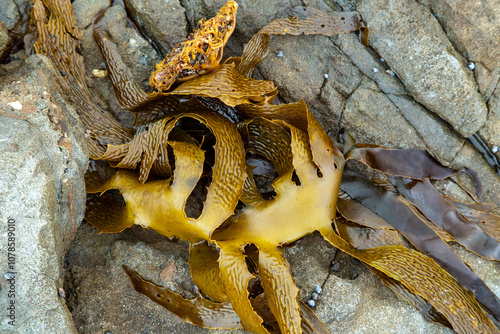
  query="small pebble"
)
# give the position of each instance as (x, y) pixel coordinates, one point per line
(9, 276)
(335, 266)
(279, 53)
(391, 73)
(375, 70)
(16, 105)
(494, 149)
(326, 76)
(314, 296)
(133, 42)
(61, 293)
(471, 66)
(318, 289)
(311, 303)
(382, 60)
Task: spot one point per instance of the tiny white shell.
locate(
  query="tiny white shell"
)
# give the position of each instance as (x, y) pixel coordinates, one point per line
(311, 303)
(471, 65)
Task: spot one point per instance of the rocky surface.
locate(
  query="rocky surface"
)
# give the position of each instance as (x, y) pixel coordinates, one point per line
(412, 88)
(43, 159)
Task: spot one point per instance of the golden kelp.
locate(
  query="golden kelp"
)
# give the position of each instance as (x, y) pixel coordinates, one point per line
(183, 151)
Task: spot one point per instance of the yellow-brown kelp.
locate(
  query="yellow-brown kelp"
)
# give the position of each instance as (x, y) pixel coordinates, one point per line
(181, 150)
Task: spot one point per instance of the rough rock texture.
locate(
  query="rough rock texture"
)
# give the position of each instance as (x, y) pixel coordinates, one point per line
(411, 41)
(161, 21)
(43, 159)
(101, 297)
(472, 29)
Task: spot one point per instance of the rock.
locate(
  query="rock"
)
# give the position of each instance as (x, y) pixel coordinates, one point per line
(414, 46)
(9, 14)
(438, 137)
(364, 305)
(162, 21)
(43, 160)
(101, 296)
(371, 117)
(86, 10)
(491, 130)
(472, 29)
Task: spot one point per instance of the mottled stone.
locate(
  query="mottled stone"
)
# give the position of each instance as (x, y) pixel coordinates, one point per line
(442, 141)
(43, 159)
(415, 47)
(371, 117)
(473, 29)
(86, 10)
(162, 21)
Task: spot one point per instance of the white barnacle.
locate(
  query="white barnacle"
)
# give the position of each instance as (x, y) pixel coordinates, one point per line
(16, 105)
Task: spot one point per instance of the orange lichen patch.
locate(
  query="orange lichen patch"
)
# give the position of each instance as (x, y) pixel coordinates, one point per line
(200, 53)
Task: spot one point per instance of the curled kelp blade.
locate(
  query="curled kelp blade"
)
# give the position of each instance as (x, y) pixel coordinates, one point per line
(292, 113)
(410, 163)
(280, 290)
(303, 20)
(424, 277)
(227, 85)
(482, 215)
(200, 53)
(299, 208)
(198, 311)
(236, 277)
(445, 215)
(160, 204)
(59, 39)
(394, 209)
(205, 271)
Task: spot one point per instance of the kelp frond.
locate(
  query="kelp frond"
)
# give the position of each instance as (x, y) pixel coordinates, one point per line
(182, 151)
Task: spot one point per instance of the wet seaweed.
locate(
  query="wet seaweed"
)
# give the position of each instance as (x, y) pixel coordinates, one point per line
(399, 227)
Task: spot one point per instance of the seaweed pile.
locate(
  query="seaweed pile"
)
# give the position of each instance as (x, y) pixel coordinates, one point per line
(212, 161)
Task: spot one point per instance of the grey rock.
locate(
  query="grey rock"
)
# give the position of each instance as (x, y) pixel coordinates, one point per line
(9, 14)
(491, 130)
(43, 159)
(85, 11)
(162, 21)
(371, 117)
(472, 28)
(101, 296)
(439, 138)
(415, 47)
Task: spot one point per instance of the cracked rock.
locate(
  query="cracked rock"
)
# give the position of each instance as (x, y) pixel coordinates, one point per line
(410, 39)
(43, 159)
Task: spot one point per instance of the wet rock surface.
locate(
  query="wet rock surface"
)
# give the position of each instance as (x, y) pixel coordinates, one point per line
(430, 100)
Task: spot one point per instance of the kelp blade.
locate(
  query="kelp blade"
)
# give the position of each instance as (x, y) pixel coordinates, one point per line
(445, 215)
(399, 215)
(197, 311)
(424, 277)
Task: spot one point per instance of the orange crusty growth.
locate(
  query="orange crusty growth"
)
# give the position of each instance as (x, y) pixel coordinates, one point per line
(200, 53)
